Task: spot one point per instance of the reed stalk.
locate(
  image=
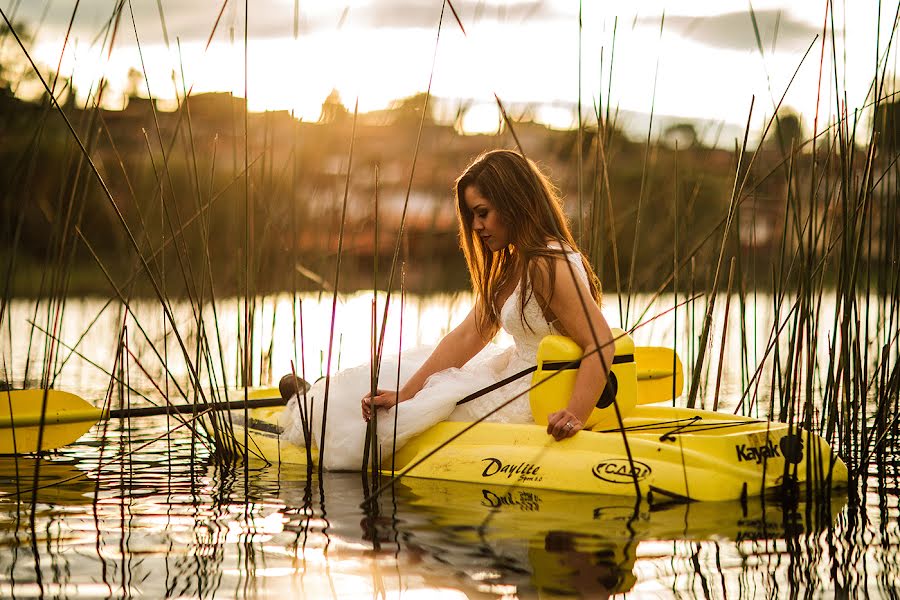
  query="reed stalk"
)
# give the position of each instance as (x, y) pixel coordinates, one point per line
(722, 346)
(337, 276)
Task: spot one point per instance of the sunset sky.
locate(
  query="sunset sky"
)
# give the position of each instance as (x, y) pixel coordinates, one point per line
(704, 64)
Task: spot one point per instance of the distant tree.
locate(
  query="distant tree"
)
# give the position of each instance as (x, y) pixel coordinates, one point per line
(333, 110)
(788, 130)
(565, 144)
(462, 108)
(13, 68)
(68, 92)
(887, 127)
(135, 83)
(684, 134)
(525, 114)
(408, 111)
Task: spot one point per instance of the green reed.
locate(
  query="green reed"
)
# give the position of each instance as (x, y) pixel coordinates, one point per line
(838, 236)
(827, 240)
(337, 278)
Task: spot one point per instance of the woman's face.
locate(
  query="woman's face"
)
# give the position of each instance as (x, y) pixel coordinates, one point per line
(486, 220)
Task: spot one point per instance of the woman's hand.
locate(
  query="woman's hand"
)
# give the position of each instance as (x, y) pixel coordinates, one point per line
(454, 350)
(563, 424)
(383, 399)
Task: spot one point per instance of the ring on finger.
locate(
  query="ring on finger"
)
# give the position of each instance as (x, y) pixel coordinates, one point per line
(569, 425)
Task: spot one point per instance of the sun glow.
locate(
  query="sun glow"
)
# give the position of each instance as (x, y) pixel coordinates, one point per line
(377, 54)
(481, 118)
(375, 67)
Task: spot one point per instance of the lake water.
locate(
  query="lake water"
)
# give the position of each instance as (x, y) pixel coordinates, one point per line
(133, 510)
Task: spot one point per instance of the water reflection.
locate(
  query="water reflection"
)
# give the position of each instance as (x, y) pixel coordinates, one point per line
(25, 480)
(190, 529)
(576, 544)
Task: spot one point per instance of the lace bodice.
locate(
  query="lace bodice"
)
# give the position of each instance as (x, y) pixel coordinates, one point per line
(528, 334)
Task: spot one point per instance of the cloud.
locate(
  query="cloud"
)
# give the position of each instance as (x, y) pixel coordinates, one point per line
(194, 21)
(415, 13)
(734, 30)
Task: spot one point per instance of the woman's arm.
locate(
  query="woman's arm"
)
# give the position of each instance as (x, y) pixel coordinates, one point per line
(580, 318)
(454, 350)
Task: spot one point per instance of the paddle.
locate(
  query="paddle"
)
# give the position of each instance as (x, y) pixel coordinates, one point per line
(67, 417)
(656, 368)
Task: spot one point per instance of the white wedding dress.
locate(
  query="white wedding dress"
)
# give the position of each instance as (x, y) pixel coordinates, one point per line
(436, 401)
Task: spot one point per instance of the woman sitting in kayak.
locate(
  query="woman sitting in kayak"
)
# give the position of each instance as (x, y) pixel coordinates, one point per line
(529, 278)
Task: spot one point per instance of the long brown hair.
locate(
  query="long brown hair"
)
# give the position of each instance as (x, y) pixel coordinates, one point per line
(531, 209)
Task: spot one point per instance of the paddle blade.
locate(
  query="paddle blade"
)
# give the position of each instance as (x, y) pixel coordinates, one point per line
(52, 417)
(659, 373)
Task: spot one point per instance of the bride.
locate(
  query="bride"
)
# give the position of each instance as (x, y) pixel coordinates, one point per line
(529, 278)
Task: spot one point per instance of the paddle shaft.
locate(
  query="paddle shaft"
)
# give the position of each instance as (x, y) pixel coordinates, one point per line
(153, 411)
(180, 409)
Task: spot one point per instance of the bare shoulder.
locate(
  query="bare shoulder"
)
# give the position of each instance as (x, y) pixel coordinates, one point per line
(552, 270)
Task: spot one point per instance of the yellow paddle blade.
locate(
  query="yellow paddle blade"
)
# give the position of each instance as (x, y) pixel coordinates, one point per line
(659, 374)
(24, 414)
(260, 393)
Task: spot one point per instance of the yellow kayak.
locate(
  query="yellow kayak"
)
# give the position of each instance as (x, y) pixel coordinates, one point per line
(659, 452)
(662, 452)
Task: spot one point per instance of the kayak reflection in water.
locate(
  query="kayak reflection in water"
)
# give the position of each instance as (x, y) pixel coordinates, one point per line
(529, 278)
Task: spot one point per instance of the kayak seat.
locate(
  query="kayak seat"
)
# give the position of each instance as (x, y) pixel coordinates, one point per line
(558, 358)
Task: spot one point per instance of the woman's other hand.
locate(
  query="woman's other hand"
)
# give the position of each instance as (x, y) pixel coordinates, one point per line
(383, 399)
(563, 424)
